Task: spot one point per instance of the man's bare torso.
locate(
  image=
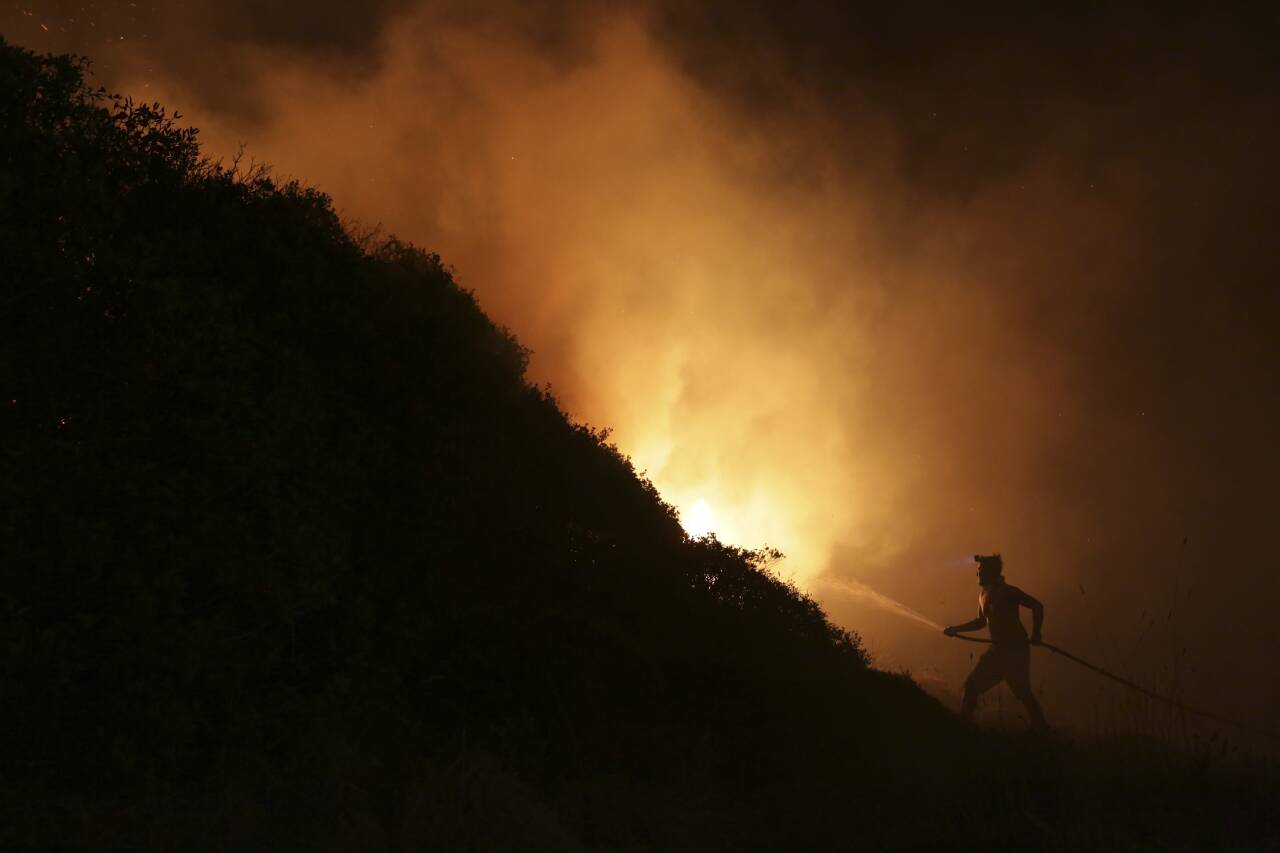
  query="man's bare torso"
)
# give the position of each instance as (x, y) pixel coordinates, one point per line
(999, 605)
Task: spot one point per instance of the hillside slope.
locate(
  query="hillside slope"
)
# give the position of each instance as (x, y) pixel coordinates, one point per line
(297, 558)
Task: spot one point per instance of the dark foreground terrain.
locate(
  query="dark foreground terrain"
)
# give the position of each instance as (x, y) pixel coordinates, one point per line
(295, 559)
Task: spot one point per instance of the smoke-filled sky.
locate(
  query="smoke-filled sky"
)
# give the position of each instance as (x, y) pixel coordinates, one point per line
(882, 288)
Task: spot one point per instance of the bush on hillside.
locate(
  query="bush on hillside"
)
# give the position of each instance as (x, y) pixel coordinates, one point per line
(270, 490)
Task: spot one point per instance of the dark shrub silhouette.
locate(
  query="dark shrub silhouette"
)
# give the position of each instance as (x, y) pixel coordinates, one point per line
(294, 557)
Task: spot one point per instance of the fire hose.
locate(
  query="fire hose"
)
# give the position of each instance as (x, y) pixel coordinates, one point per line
(1139, 688)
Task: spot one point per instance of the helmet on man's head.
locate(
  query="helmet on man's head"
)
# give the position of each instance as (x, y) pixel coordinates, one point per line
(989, 565)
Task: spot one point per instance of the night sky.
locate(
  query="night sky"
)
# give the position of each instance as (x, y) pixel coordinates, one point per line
(883, 289)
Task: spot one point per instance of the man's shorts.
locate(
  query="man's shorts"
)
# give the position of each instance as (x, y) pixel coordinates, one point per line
(1008, 663)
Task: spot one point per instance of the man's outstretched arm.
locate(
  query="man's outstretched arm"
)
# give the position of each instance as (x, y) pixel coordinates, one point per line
(1037, 615)
(980, 622)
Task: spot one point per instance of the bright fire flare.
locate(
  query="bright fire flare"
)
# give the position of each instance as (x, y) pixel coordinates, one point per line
(699, 520)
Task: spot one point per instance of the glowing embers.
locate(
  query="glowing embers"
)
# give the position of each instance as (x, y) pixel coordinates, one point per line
(699, 520)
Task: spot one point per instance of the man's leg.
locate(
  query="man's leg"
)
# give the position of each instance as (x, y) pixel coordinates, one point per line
(1019, 680)
(985, 675)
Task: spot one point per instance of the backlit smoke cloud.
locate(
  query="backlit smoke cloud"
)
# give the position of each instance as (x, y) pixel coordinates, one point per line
(874, 295)
(635, 235)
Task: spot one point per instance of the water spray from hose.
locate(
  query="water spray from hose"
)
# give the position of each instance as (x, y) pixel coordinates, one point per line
(859, 590)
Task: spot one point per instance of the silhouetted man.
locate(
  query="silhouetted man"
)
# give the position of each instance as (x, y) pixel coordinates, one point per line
(1009, 658)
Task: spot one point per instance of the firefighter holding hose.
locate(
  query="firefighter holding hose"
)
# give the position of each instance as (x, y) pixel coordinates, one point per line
(1009, 658)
